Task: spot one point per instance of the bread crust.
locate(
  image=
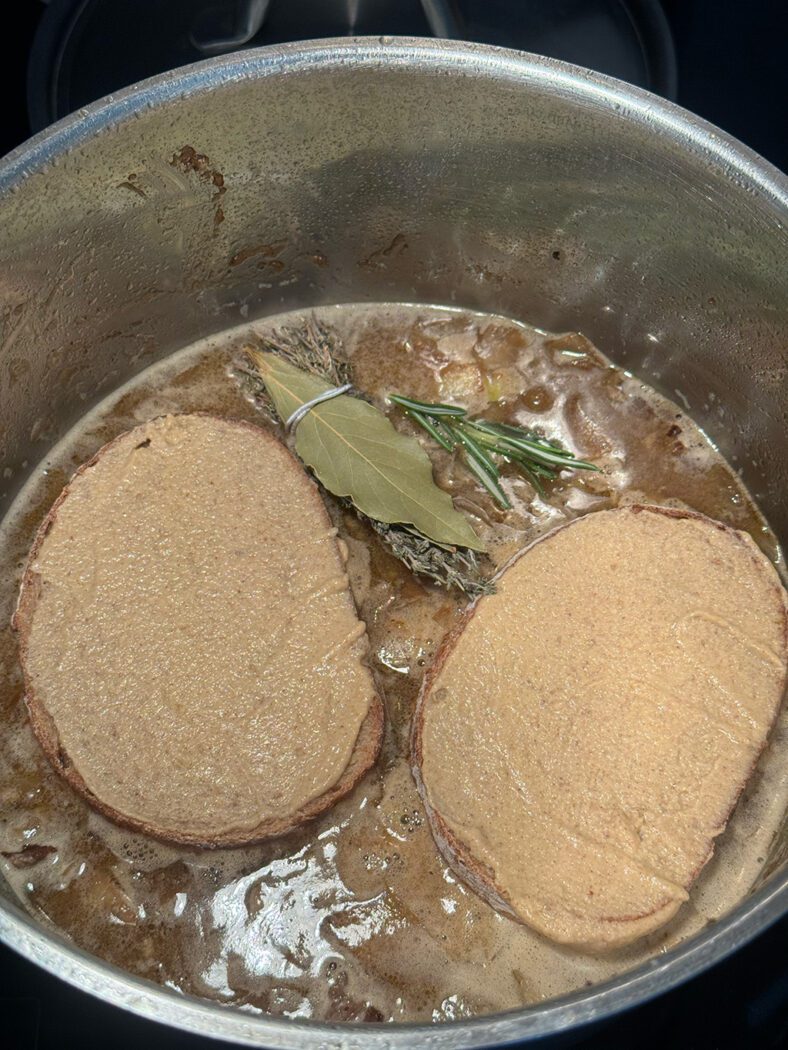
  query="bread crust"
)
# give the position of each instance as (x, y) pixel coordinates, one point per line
(363, 756)
(613, 932)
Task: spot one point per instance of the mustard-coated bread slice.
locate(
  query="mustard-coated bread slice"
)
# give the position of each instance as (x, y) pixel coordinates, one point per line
(194, 664)
(583, 736)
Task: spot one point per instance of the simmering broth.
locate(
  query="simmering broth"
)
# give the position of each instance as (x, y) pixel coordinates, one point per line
(356, 916)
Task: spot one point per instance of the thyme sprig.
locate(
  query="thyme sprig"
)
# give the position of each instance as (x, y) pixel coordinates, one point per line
(479, 441)
(447, 566)
(311, 347)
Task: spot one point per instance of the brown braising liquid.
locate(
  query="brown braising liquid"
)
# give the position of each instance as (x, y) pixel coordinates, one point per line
(356, 917)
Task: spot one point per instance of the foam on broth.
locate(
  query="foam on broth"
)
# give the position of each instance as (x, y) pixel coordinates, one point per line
(356, 917)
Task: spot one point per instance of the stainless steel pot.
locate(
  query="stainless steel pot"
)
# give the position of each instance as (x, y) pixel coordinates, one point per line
(406, 170)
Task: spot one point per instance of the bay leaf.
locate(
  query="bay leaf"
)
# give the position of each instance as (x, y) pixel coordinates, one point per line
(357, 453)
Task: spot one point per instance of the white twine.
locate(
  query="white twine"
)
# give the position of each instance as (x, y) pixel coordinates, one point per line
(293, 420)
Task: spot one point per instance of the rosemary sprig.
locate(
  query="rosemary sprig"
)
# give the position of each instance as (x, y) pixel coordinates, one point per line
(317, 350)
(480, 440)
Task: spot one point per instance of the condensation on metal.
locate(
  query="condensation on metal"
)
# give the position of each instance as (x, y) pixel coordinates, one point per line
(452, 57)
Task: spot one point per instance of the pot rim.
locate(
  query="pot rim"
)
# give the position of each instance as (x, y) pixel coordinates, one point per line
(49, 949)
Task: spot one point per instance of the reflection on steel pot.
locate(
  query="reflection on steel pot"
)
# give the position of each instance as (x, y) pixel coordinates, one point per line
(396, 170)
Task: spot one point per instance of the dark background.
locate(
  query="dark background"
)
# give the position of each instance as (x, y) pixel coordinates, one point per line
(732, 70)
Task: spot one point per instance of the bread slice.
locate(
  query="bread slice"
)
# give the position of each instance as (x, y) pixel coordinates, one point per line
(582, 738)
(194, 664)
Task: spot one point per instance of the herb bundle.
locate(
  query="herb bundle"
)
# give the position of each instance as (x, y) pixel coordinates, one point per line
(386, 476)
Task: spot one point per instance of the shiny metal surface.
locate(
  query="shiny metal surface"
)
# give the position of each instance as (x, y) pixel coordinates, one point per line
(409, 170)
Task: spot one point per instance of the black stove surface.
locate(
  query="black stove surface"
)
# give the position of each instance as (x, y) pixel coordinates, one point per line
(722, 59)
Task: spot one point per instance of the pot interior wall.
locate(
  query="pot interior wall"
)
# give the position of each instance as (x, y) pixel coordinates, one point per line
(482, 186)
